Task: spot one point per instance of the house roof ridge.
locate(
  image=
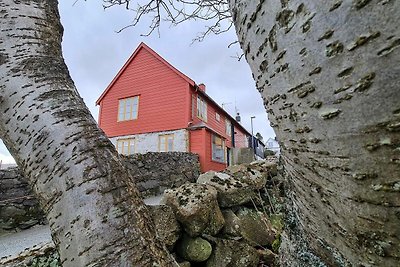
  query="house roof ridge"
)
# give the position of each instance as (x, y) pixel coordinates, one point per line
(142, 45)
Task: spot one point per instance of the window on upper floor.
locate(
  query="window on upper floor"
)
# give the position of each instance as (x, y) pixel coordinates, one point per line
(201, 109)
(193, 106)
(228, 127)
(166, 142)
(217, 116)
(128, 108)
(218, 149)
(126, 146)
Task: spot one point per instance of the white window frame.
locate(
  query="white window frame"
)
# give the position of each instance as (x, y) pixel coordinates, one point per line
(201, 108)
(163, 142)
(128, 108)
(221, 149)
(126, 146)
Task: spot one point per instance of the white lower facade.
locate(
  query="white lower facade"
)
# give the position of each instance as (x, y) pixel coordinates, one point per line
(177, 140)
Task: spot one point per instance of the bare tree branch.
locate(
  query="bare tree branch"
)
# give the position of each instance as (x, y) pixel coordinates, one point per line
(215, 12)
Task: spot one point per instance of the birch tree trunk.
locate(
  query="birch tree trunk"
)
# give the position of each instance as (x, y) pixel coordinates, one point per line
(329, 74)
(94, 210)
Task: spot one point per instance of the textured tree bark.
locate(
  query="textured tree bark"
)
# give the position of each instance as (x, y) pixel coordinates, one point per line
(95, 213)
(329, 74)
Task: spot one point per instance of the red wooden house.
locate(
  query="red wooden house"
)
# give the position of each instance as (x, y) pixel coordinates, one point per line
(152, 106)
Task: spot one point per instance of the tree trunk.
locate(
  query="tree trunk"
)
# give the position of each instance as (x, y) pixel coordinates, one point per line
(329, 74)
(94, 210)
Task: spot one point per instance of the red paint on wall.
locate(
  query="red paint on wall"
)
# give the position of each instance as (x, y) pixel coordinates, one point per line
(167, 101)
(209, 163)
(197, 140)
(162, 98)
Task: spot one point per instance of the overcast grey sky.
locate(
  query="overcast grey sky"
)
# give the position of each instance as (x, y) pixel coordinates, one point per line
(94, 53)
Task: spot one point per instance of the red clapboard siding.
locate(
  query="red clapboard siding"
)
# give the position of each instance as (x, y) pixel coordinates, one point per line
(167, 101)
(209, 164)
(162, 94)
(240, 138)
(200, 143)
(197, 141)
(219, 126)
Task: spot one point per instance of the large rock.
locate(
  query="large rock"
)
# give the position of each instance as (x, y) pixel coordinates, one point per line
(228, 253)
(254, 175)
(196, 207)
(250, 225)
(231, 190)
(267, 168)
(167, 227)
(232, 223)
(194, 249)
(267, 257)
(255, 227)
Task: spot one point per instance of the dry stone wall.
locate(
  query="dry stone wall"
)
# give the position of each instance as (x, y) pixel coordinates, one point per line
(18, 206)
(152, 172)
(229, 218)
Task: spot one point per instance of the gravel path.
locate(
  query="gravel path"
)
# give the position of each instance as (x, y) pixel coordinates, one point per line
(14, 243)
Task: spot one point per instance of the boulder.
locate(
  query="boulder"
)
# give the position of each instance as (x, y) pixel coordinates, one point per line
(232, 253)
(252, 175)
(232, 223)
(194, 249)
(268, 168)
(268, 257)
(231, 190)
(196, 208)
(167, 227)
(255, 227)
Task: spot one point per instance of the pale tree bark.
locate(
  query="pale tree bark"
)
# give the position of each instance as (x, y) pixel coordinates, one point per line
(94, 210)
(329, 74)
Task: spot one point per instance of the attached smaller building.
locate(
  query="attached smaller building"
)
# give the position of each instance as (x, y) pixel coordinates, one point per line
(152, 106)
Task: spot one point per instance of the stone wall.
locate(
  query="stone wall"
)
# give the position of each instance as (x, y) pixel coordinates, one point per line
(18, 207)
(242, 155)
(229, 218)
(153, 173)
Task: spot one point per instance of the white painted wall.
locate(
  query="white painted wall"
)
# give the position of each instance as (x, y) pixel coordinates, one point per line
(273, 145)
(148, 142)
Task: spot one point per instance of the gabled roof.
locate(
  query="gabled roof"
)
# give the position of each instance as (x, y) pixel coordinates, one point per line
(152, 52)
(183, 76)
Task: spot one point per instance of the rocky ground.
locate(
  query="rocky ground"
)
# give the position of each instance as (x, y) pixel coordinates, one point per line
(229, 218)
